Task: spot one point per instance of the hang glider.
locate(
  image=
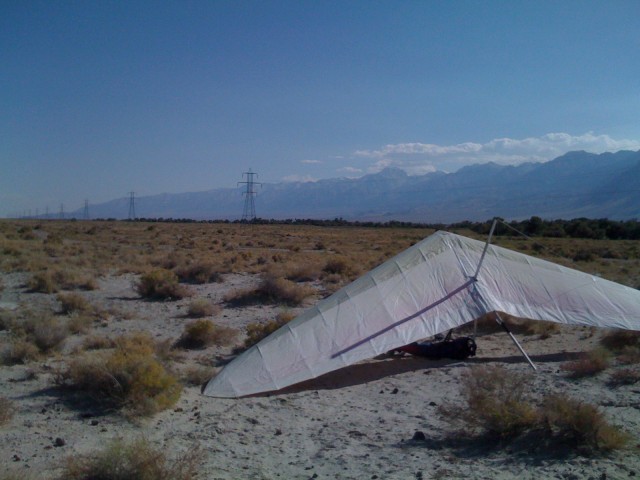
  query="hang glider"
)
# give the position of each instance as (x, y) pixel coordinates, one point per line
(431, 287)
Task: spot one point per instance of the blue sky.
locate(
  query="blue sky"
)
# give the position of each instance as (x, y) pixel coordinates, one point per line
(101, 98)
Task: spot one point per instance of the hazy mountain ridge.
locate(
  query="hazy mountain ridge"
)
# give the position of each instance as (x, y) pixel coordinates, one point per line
(577, 184)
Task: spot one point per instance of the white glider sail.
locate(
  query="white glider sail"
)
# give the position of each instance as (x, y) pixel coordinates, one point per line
(425, 290)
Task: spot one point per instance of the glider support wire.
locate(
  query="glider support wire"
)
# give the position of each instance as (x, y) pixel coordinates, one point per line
(506, 329)
(498, 318)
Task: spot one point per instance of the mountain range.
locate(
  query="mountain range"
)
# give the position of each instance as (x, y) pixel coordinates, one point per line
(577, 184)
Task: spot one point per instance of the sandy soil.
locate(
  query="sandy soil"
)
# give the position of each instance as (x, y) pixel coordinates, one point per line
(357, 423)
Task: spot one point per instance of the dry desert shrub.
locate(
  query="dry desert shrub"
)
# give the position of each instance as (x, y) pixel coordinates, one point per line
(43, 282)
(589, 365)
(495, 402)
(256, 331)
(98, 342)
(46, 332)
(161, 285)
(132, 460)
(17, 352)
(79, 323)
(73, 302)
(625, 376)
(617, 340)
(198, 375)
(629, 355)
(6, 410)
(53, 280)
(341, 266)
(130, 376)
(199, 273)
(272, 290)
(201, 307)
(581, 424)
(303, 272)
(202, 333)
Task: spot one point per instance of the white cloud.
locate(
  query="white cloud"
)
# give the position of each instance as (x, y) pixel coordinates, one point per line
(310, 162)
(299, 178)
(350, 170)
(418, 158)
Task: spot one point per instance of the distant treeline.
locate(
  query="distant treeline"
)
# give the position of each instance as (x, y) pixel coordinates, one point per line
(534, 226)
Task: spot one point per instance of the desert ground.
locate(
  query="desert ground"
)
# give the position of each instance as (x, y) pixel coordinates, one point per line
(380, 419)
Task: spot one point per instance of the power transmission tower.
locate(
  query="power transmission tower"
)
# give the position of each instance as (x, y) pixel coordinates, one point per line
(132, 205)
(85, 214)
(249, 212)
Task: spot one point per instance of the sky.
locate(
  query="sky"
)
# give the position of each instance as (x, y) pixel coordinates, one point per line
(102, 98)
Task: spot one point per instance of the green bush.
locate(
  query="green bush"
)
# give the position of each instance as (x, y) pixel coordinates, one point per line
(132, 460)
(161, 284)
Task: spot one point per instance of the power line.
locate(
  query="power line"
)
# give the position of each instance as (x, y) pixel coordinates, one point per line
(132, 205)
(249, 212)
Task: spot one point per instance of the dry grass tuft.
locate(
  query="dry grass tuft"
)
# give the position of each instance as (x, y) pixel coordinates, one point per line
(202, 333)
(132, 460)
(161, 285)
(589, 365)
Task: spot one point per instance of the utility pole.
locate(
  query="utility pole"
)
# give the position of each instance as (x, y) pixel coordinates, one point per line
(62, 211)
(249, 212)
(85, 214)
(132, 205)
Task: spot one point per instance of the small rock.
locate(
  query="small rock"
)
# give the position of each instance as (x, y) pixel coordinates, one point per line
(16, 458)
(278, 431)
(432, 404)
(179, 409)
(94, 422)
(59, 442)
(394, 391)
